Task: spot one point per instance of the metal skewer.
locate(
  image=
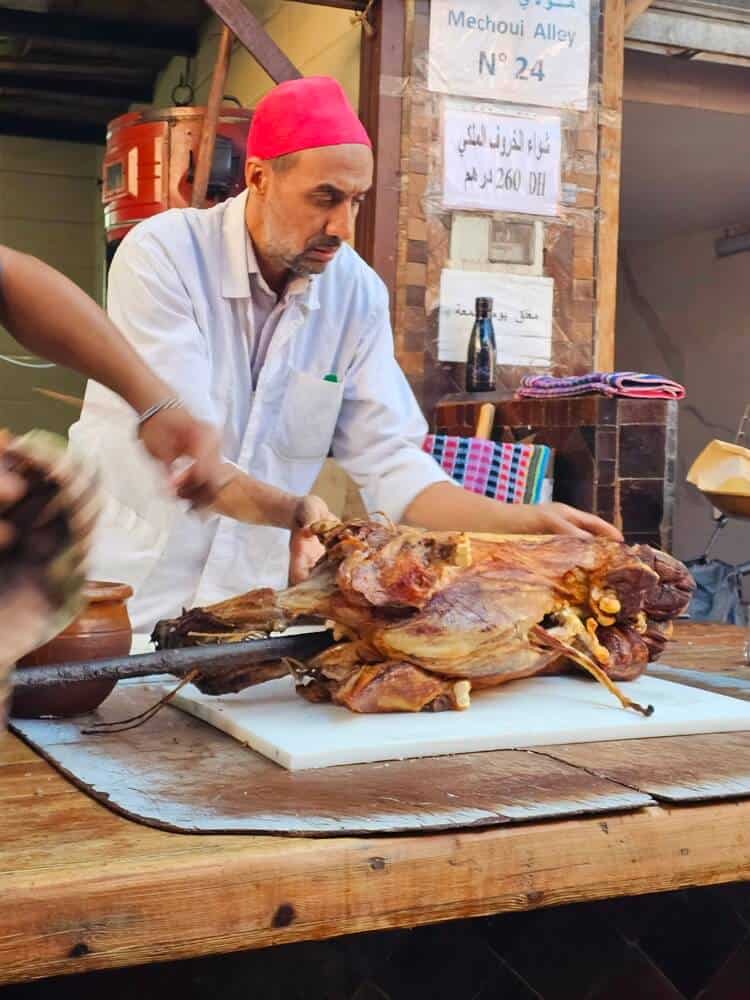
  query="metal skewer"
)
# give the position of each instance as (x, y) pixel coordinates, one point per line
(178, 662)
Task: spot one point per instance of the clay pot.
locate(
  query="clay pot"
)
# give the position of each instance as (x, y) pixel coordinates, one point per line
(101, 630)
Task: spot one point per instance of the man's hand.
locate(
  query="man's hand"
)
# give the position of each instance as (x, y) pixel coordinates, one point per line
(12, 488)
(304, 548)
(560, 519)
(175, 434)
(449, 507)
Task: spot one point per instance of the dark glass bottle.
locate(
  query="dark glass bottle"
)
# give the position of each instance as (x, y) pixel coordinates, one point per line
(482, 357)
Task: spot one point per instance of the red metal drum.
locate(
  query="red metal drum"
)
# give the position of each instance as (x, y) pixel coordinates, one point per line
(150, 161)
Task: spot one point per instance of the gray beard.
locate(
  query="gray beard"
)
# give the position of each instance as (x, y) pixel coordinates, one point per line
(299, 268)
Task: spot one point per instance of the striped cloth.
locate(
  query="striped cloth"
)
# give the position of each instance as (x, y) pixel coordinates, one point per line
(630, 385)
(511, 473)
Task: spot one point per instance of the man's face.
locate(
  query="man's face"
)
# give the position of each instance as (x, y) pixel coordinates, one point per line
(300, 215)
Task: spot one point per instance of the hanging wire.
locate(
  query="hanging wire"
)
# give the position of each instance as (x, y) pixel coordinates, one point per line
(26, 364)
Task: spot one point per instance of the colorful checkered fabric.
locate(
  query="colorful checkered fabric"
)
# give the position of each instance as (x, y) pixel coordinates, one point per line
(631, 385)
(511, 473)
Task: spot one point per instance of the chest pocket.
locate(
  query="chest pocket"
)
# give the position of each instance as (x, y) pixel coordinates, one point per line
(307, 417)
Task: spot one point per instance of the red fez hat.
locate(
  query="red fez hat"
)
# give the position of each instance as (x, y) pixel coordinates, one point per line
(304, 114)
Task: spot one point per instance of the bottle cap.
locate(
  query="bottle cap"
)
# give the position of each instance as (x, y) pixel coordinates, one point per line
(483, 305)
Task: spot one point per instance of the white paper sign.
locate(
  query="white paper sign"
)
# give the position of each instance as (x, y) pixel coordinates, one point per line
(501, 163)
(521, 315)
(527, 51)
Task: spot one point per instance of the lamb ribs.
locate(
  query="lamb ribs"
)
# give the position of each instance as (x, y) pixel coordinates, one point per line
(424, 618)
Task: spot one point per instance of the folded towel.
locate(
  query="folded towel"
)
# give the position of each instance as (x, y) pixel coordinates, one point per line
(632, 385)
(510, 473)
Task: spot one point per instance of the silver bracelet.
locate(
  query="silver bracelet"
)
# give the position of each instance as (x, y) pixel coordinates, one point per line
(166, 404)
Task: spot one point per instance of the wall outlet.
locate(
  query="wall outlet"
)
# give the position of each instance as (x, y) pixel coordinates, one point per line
(497, 243)
(512, 242)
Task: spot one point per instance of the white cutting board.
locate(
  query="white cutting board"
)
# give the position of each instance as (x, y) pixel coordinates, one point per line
(278, 723)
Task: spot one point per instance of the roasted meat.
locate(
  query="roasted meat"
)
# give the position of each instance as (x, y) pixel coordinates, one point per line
(424, 618)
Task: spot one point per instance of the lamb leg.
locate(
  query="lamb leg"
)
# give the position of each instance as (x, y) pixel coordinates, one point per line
(547, 641)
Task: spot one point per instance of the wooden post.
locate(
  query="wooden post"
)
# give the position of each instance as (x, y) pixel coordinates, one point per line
(610, 142)
(213, 109)
(381, 75)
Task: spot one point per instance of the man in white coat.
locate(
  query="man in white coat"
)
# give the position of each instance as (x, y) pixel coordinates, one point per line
(275, 331)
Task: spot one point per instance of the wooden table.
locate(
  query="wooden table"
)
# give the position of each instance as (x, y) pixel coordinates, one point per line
(82, 888)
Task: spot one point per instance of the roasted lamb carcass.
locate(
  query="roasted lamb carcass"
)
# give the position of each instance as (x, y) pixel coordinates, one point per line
(424, 618)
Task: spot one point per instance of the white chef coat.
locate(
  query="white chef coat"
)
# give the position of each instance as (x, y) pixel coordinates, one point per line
(180, 290)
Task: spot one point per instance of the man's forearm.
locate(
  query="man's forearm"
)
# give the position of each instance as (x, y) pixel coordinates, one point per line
(446, 507)
(52, 317)
(246, 499)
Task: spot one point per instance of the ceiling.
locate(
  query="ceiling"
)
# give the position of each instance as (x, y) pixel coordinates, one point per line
(67, 67)
(683, 170)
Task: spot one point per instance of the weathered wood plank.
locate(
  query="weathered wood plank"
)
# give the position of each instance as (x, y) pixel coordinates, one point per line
(83, 888)
(672, 769)
(728, 684)
(709, 647)
(148, 895)
(227, 787)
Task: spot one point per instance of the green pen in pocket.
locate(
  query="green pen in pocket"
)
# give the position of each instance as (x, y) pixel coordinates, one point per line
(331, 377)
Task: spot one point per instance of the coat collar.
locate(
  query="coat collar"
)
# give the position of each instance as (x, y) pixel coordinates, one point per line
(239, 262)
(235, 277)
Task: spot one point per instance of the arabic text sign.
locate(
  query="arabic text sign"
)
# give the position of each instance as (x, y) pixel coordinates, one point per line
(501, 163)
(527, 51)
(521, 315)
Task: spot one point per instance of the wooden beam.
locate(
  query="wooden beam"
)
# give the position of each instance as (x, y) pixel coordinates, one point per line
(39, 100)
(339, 4)
(103, 52)
(141, 91)
(633, 10)
(213, 108)
(251, 33)
(166, 39)
(608, 194)
(382, 62)
(151, 13)
(707, 86)
(52, 128)
(75, 71)
(64, 110)
(674, 30)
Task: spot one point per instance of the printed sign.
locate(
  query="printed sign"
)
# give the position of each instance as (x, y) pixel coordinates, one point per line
(524, 51)
(501, 163)
(521, 315)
